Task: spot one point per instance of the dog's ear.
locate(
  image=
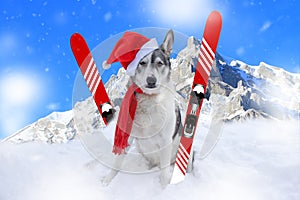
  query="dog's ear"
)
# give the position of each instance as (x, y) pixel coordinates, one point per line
(167, 45)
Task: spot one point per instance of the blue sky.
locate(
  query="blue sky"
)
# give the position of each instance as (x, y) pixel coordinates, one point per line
(37, 68)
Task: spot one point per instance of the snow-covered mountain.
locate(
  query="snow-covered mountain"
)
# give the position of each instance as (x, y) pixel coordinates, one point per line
(247, 91)
(58, 127)
(237, 92)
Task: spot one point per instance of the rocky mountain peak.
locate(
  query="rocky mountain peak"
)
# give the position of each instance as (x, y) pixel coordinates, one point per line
(238, 91)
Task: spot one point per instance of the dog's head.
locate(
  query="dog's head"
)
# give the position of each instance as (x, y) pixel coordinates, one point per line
(153, 70)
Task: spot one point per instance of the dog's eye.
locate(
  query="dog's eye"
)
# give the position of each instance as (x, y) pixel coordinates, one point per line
(160, 63)
(143, 63)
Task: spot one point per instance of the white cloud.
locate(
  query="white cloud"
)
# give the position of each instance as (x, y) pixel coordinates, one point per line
(180, 13)
(265, 26)
(18, 89)
(19, 93)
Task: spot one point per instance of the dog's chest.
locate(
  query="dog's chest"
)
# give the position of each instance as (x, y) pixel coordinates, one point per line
(153, 114)
(150, 110)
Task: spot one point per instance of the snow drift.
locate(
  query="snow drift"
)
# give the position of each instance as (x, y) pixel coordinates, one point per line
(253, 160)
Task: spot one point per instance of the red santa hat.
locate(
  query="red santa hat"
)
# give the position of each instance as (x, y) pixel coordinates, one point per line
(129, 50)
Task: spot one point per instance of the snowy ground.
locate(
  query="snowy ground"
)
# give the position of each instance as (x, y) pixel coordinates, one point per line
(253, 160)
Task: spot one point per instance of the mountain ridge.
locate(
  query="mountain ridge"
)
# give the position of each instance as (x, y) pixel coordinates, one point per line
(239, 91)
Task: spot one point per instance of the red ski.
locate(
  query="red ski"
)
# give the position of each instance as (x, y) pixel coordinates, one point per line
(91, 75)
(205, 60)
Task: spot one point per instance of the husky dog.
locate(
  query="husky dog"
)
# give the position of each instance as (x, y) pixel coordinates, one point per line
(157, 119)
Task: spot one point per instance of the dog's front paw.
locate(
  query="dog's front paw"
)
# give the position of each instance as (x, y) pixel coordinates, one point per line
(109, 177)
(164, 181)
(105, 181)
(165, 178)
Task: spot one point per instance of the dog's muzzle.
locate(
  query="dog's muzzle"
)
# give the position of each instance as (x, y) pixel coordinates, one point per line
(151, 82)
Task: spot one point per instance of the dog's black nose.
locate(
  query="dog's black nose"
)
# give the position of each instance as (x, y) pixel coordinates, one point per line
(151, 81)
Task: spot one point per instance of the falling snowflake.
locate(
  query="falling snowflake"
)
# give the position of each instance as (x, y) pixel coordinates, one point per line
(107, 16)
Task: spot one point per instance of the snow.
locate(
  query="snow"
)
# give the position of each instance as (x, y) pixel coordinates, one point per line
(279, 87)
(55, 126)
(221, 62)
(63, 117)
(265, 26)
(252, 160)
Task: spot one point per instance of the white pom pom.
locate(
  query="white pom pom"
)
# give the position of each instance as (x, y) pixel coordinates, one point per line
(199, 89)
(106, 107)
(105, 65)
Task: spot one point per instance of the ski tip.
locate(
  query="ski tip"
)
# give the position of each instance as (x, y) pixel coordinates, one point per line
(177, 176)
(76, 40)
(75, 37)
(212, 29)
(215, 18)
(79, 45)
(215, 14)
(79, 48)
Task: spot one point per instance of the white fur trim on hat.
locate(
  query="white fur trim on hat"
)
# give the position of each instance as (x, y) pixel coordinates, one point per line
(145, 49)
